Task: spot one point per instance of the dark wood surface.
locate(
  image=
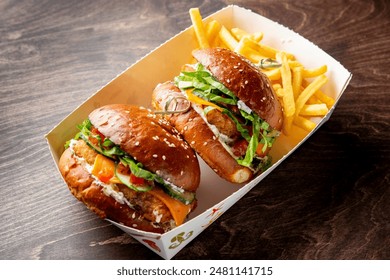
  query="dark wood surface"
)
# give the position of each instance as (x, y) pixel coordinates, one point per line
(329, 200)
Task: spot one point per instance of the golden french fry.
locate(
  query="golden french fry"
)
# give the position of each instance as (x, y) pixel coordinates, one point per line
(294, 63)
(273, 74)
(197, 23)
(320, 96)
(296, 80)
(239, 34)
(313, 100)
(288, 95)
(314, 110)
(311, 73)
(276, 86)
(248, 52)
(212, 30)
(329, 101)
(309, 91)
(227, 38)
(304, 123)
(279, 92)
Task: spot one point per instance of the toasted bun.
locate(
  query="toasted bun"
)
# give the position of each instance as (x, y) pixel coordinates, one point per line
(86, 189)
(248, 83)
(200, 137)
(151, 141)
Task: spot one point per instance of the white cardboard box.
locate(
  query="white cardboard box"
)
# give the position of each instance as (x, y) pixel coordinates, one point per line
(136, 83)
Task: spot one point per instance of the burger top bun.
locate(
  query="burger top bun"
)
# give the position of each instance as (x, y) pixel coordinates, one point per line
(150, 140)
(247, 82)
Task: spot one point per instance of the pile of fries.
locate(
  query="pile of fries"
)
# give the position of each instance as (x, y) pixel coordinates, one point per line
(298, 88)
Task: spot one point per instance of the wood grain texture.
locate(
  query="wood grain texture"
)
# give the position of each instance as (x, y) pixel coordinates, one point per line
(329, 200)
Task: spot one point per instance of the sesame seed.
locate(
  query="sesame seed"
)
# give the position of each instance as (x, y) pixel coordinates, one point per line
(137, 143)
(186, 127)
(181, 172)
(228, 80)
(246, 82)
(205, 143)
(164, 157)
(192, 142)
(135, 225)
(188, 156)
(155, 137)
(155, 155)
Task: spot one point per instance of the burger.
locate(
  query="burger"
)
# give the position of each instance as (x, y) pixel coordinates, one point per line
(226, 109)
(131, 166)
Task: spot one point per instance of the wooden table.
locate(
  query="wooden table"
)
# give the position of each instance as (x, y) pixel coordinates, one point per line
(329, 200)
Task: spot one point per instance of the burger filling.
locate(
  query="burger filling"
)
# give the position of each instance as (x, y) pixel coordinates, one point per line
(246, 136)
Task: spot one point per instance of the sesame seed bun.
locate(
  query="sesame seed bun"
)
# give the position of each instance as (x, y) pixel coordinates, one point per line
(151, 140)
(247, 82)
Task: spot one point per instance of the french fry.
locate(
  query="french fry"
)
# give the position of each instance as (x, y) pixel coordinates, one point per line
(212, 30)
(329, 101)
(320, 96)
(239, 34)
(197, 23)
(314, 110)
(311, 73)
(288, 95)
(273, 75)
(297, 80)
(304, 123)
(313, 100)
(248, 52)
(309, 91)
(227, 38)
(279, 92)
(276, 86)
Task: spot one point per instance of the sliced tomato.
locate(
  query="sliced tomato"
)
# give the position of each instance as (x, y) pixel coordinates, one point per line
(137, 180)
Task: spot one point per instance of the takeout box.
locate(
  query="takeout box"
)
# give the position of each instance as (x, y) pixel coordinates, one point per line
(135, 86)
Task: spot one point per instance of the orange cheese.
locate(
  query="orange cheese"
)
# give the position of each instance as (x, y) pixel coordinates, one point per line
(178, 209)
(193, 98)
(104, 169)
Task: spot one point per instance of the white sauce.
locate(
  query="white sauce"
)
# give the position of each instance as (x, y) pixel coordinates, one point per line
(107, 189)
(242, 106)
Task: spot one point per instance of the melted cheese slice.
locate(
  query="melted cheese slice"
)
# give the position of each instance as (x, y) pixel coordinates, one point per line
(195, 99)
(104, 168)
(178, 209)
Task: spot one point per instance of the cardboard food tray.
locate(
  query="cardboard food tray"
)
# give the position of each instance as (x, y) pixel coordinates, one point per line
(135, 86)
